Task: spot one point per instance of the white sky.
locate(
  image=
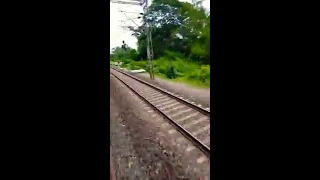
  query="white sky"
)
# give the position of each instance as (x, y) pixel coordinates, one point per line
(119, 34)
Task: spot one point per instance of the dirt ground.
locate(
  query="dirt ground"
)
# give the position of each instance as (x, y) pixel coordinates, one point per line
(200, 96)
(146, 146)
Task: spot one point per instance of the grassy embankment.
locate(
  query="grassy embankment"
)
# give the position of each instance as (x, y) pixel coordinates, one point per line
(178, 71)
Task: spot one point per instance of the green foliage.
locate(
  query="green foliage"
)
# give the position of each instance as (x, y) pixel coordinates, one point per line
(141, 64)
(183, 71)
(179, 30)
(171, 73)
(126, 61)
(172, 55)
(124, 52)
(204, 74)
(178, 27)
(181, 42)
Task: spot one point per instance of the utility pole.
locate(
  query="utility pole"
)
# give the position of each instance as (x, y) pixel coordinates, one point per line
(148, 30)
(149, 42)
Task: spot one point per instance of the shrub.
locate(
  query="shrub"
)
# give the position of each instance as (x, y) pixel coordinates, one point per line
(193, 74)
(171, 72)
(140, 64)
(183, 66)
(127, 61)
(204, 73)
(172, 55)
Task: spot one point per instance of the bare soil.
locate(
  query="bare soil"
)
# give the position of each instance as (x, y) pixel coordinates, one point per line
(200, 96)
(146, 146)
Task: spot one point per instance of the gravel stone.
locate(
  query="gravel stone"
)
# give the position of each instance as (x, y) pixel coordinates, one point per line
(142, 148)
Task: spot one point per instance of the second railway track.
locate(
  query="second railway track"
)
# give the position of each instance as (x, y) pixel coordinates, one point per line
(192, 121)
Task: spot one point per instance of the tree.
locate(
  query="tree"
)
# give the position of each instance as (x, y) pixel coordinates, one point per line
(178, 27)
(124, 52)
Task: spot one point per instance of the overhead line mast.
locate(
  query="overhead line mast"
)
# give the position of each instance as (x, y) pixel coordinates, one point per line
(148, 31)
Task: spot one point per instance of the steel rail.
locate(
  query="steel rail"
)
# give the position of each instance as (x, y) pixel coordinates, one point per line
(182, 130)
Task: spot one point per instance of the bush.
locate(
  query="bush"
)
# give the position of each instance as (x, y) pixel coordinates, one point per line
(128, 66)
(181, 70)
(172, 55)
(204, 73)
(193, 74)
(160, 66)
(185, 67)
(127, 61)
(171, 73)
(140, 64)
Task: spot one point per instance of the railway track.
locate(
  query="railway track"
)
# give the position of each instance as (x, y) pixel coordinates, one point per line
(191, 120)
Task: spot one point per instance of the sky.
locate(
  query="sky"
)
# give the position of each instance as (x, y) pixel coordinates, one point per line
(118, 19)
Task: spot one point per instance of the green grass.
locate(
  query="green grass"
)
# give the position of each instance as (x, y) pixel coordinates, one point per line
(186, 80)
(177, 70)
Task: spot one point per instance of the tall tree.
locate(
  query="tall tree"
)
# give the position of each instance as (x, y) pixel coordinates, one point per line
(178, 27)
